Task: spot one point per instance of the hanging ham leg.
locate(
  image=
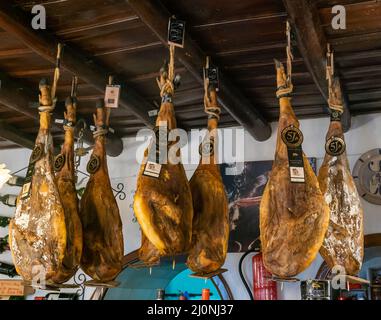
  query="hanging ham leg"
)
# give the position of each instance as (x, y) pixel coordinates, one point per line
(344, 241)
(210, 234)
(103, 246)
(163, 204)
(293, 216)
(64, 165)
(38, 231)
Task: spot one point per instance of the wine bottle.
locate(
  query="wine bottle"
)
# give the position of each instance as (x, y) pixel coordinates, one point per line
(9, 200)
(4, 245)
(160, 293)
(4, 221)
(7, 269)
(16, 181)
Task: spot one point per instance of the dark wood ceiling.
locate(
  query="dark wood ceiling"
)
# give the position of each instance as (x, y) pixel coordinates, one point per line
(242, 37)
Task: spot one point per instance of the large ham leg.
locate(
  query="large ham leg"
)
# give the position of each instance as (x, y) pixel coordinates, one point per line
(344, 241)
(293, 216)
(210, 233)
(38, 231)
(103, 246)
(163, 204)
(64, 165)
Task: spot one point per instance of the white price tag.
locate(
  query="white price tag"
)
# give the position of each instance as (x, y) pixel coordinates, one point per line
(112, 96)
(152, 169)
(153, 113)
(297, 174)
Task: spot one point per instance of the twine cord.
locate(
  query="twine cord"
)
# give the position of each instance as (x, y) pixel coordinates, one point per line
(287, 89)
(55, 81)
(335, 102)
(211, 108)
(165, 83)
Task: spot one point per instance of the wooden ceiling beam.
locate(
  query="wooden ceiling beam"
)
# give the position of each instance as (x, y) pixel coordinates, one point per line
(156, 17)
(312, 44)
(14, 135)
(17, 22)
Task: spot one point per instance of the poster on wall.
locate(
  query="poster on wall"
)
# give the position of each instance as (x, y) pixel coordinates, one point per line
(244, 191)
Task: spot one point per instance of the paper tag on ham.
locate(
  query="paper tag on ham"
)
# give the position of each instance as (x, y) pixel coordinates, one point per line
(296, 164)
(112, 96)
(152, 169)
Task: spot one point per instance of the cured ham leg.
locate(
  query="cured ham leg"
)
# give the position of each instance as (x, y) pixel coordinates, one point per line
(344, 241)
(38, 231)
(163, 203)
(103, 246)
(210, 233)
(64, 165)
(293, 216)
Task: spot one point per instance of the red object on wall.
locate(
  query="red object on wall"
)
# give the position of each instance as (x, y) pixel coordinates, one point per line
(264, 288)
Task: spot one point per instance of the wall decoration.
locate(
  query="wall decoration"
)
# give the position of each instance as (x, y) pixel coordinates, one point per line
(244, 195)
(367, 176)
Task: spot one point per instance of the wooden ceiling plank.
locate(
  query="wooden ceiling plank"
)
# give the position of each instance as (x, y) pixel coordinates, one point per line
(14, 135)
(312, 44)
(14, 52)
(16, 21)
(239, 21)
(156, 17)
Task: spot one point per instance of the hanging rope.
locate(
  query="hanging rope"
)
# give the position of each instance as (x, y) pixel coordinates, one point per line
(74, 83)
(288, 88)
(335, 101)
(57, 71)
(55, 81)
(74, 86)
(166, 81)
(211, 107)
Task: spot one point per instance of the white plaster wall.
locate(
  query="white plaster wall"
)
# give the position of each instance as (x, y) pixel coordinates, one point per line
(363, 136)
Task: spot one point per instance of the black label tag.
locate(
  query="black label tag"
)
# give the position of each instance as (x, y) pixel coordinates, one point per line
(27, 186)
(293, 138)
(296, 164)
(176, 32)
(157, 151)
(94, 164)
(59, 162)
(36, 155)
(335, 116)
(212, 74)
(335, 146)
(206, 148)
(157, 154)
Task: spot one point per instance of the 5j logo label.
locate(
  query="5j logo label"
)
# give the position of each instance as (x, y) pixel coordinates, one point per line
(292, 137)
(335, 146)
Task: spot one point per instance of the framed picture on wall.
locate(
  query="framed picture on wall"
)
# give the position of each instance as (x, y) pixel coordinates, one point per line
(244, 192)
